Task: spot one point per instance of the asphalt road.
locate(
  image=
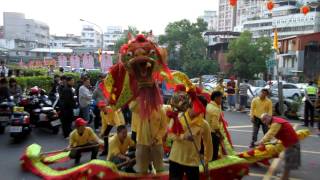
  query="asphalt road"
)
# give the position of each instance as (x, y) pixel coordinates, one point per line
(239, 127)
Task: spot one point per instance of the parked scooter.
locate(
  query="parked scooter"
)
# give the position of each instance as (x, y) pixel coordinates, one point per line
(42, 113)
(20, 125)
(6, 108)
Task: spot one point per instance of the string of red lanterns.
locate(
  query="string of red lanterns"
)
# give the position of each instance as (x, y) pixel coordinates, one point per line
(305, 9)
(270, 5)
(233, 3)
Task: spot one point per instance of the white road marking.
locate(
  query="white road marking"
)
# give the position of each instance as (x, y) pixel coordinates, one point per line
(274, 177)
(233, 127)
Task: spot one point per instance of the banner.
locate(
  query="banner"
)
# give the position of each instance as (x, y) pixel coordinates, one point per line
(74, 62)
(106, 62)
(87, 61)
(62, 61)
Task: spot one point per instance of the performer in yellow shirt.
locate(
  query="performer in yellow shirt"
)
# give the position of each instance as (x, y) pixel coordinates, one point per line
(213, 115)
(109, 119)
(220, 87)
(149, 146)
(83, 139)
(118, 149)
(185, 156)
(133, 106)
(260, 105)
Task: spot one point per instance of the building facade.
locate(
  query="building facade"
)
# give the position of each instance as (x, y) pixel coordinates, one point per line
(299, 55)
(16, 26)
(60, 42)
(288, 20)
(211, 18)
(232, 17)
(90, 38)
(112, 35)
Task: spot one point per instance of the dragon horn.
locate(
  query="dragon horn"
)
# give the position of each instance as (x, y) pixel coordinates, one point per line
(130, 38)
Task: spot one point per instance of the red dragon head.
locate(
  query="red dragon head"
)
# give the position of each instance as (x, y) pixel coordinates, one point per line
(143, 59)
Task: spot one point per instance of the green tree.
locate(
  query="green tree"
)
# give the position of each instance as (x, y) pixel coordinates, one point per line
(248, 56)
(124, 39)
(187, 48)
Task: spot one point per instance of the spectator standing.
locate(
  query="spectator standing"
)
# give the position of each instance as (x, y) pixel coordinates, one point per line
(14, 89)
(4, 90)
(220, 87)
(243, 92)
(51, 71)
(310, 100)
(231, 93)
(67, 104)
(3, 69)
(85, 97)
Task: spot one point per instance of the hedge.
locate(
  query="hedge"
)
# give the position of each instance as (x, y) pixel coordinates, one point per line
(45, 82)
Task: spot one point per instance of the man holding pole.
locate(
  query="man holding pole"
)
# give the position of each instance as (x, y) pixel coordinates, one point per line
(118, 149)
(83, 139)
(187, 131)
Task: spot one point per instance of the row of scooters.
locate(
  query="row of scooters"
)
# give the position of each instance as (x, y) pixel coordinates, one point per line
(35, 109)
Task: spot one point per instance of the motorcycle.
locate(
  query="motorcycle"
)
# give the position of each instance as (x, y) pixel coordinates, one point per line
(6, 108)
(20, 125)
(42, 112)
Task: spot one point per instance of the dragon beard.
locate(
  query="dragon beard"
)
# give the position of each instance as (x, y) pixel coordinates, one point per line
(149, 99)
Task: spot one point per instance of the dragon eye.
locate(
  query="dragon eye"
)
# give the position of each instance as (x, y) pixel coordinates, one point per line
(129, 53)
(152, 52)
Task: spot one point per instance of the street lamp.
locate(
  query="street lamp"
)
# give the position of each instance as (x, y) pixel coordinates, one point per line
(100, 29)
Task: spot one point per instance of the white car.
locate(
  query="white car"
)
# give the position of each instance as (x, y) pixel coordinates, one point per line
(290, 90)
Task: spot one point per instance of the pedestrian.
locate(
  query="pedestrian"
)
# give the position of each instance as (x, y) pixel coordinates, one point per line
(118, 149)
(282, 130)
(97, 96)
(83, 73)
(101, 78)
(54, 87)
(213, 115)
(14, 89)
(231, 93)
(3, 69)
(61, 71)
(67, 105)
(185, 156)
(83, 139)
(51, 71)
(85, 97)
(309, 104)
(243, 92)
(109, 119)
(259, 105)
(4, 90)
(220, 87)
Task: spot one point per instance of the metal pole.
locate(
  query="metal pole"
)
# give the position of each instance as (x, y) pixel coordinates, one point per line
(280, 89)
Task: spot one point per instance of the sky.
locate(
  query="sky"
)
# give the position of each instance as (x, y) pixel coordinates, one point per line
(63, 16)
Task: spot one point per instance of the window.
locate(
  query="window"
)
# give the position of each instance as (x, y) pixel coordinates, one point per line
(289, 86)
(292, 63)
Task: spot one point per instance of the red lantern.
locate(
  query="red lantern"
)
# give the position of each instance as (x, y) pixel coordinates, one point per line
(270, 5)
(233, 2)
(305, 9)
